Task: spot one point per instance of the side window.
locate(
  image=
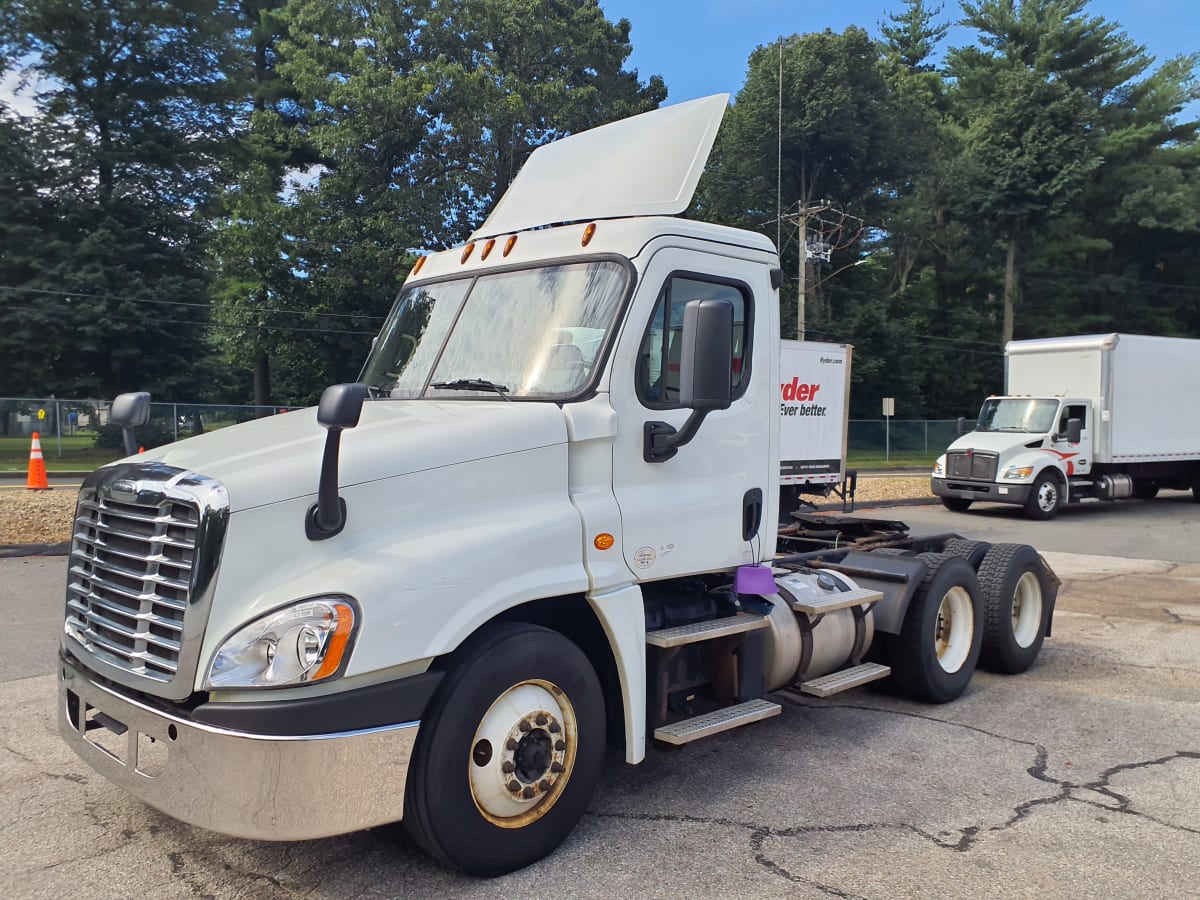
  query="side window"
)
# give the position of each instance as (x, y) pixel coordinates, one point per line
(1076, 411)
(658, 360)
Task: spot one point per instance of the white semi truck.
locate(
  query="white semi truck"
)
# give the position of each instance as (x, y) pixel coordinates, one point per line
(545, 519)
(1104, 416)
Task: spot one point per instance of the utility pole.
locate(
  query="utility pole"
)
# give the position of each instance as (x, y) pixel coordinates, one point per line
(801, 217)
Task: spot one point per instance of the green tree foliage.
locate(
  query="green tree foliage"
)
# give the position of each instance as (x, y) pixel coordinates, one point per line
(416, 117)
(132, 125)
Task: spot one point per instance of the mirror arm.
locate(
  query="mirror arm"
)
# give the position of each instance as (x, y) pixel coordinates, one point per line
(661, 441)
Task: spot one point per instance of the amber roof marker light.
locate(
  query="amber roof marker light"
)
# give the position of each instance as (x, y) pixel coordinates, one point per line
(487, 248)
(588, 234)
(420, 262)
(509, 244)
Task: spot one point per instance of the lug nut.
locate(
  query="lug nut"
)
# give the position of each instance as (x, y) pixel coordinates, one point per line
(527, 793)
(514, 786)
(541, 719)
(560, 746)
(511, 744)
(544, 784)
(507, 768)
(555, 728)
(556, 767)
(524, 726)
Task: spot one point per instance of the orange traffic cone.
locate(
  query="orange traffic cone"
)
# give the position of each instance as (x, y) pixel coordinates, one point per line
(36, 480)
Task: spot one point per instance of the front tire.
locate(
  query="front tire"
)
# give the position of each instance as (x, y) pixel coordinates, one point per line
(509, 753)
(1018, 600)
(1046, 498)
(937, 649)
(956, 504)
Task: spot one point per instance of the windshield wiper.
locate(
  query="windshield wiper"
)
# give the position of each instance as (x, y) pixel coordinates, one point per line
(377, 393)
(472, 384)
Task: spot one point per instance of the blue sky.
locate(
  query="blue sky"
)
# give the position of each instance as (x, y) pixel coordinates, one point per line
(700, 47)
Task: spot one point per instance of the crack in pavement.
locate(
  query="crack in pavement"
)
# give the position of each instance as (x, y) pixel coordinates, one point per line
(968, 835)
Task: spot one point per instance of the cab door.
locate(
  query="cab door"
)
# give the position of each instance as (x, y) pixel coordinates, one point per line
(709, 506)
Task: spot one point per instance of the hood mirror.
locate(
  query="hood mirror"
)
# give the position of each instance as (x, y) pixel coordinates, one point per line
(130, 411)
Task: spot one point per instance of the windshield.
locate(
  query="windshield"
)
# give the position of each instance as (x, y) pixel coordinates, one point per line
(1017, 414)
(534, 333)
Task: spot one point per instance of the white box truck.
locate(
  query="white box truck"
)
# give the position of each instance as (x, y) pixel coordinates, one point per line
(814, 407)
(1104, 416)
(546, 517)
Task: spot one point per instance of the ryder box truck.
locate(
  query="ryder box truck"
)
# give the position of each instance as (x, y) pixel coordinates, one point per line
(1104, 417)
(544, 520)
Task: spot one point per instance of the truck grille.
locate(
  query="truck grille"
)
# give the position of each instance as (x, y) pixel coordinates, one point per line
(131, 572)
(137, 571)
(971, 464)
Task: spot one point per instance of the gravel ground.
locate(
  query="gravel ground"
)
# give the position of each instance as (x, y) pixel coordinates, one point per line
(44, 517)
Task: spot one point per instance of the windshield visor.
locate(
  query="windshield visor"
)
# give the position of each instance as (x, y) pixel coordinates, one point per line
(1017, 414)
(536, 333)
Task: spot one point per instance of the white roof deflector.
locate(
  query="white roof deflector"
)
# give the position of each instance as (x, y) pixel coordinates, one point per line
(646, 165)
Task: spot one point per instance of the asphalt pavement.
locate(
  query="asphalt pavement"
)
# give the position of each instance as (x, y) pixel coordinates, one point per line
(1080, 778)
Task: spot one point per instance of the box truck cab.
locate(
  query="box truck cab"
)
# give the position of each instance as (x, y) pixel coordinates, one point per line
(1088, 417)
(545, 517)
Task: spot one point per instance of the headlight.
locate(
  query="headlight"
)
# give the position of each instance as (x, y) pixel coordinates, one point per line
(301, 643)
(1015, 473)
(938, 471)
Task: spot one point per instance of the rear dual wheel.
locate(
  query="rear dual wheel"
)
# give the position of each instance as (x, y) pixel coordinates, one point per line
(936, 651)
(1018, 601)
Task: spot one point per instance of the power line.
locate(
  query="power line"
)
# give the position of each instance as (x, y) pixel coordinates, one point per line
(156, 321)
(123, 297)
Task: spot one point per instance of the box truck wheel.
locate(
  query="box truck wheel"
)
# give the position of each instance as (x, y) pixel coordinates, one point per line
(934, 655)
(1018, 597)
(956, 504)
(1045, 499)
(509, 753)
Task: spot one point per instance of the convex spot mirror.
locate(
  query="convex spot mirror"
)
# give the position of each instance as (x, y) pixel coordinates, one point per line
(130, 410)
(341, 405)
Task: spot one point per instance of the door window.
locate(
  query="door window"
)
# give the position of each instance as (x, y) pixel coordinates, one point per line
(658, 359)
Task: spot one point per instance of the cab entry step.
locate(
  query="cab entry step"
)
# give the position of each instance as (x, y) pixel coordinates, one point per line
(697, 727)
(705, 631)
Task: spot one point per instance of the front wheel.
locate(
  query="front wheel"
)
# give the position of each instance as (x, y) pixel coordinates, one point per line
(1046, 498)
(935, 653)
(1018, 599)
(510, 752)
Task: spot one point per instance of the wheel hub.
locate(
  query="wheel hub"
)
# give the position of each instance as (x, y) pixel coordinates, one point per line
(523, 752)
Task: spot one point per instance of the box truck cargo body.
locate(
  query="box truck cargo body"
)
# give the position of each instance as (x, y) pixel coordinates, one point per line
(1093, 416)
(814, 396)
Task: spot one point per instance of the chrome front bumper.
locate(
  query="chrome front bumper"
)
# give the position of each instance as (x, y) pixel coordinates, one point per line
(246, 785)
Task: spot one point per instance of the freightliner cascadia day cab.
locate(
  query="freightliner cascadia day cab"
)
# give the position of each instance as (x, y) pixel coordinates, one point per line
(546, 519)
(1104, 416)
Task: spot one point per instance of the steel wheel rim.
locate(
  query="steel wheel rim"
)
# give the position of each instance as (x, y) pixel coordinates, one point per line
(522, 754)
(1027, 610)
(953, 629)
(1047, 496)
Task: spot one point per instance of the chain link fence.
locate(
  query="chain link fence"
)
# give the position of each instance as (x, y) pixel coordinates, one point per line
(69, 428)
(921, 439)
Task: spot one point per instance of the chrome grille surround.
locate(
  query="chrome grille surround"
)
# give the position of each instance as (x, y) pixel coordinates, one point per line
(978, 465)
(144, 554)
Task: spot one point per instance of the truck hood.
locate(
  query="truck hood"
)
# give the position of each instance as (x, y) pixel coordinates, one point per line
(994, 441)
(279, 457)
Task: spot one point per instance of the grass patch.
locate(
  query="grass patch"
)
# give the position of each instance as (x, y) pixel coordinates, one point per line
(897, 459)
(79, 453)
